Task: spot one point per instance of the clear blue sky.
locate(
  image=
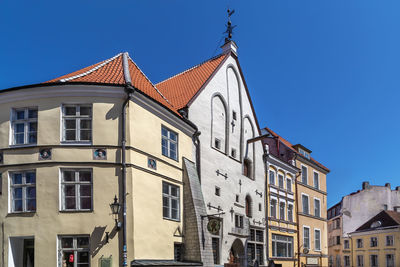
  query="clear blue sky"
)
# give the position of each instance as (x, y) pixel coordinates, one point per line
(321, 73)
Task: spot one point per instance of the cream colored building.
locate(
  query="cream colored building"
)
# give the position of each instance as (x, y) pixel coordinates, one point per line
(62, 163)
(376, 242)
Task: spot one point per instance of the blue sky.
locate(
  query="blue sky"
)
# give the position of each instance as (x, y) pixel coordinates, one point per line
(321, 73)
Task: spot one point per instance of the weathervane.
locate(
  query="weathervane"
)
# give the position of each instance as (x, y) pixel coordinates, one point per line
(229, 27)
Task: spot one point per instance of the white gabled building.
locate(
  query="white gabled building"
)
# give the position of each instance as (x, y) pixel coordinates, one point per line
(228, 203)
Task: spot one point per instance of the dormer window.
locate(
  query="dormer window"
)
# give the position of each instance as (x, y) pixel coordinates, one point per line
(304, 153)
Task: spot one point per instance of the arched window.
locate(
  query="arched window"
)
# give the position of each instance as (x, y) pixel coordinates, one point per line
(219, 123)
(248, 206)
(247, 168)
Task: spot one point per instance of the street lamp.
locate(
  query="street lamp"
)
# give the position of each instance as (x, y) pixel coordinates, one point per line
(115, 208)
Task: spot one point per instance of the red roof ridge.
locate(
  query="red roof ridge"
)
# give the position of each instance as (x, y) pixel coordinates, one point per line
(147, 78)
(102, 64)
(191, 68)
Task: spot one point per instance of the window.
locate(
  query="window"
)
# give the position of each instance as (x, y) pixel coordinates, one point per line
(374, 242)
(75, 251)
(282, 210)
(389, 240)
(304, 174)
(360, 260)
(290, 213)
(346, 244)
(255, 249)
(346, 260)
(259, 207)
(178, 251)
(389, 260)
(233, 153)
(282, 246)
(23, 191)
(217, 191)
(238, 221)
(317, 239)
(77, 123)
(289, 184)
(248, 206)
(304, 153)
(317, 208)
(306, 237)
(237, 198)
(170, 201)
(316, 180)
(360, 243)
(272, 177)
(247, 168)
(385, 207)
(338, 261)
(169, 143)
(273, 208)
(337, 240)
(337, 223)
(304, 199)
(76, 187)
(280, 181)
(215, 249)
(373, 260)
(217, 143)
(24, 126)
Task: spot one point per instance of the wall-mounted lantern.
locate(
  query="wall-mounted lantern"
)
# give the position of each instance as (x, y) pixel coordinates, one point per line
(115, 209)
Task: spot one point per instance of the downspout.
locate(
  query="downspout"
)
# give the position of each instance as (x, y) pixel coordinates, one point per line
(297, 215)
(265, 158)
(129, 90)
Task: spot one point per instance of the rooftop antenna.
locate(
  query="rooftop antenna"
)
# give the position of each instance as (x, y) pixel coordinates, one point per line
(229, 27)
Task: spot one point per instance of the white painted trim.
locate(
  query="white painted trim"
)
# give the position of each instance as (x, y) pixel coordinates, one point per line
(309, 237)
(320, 210)
(319, 180)
(320, 239)
(301, 176)
(302, 206)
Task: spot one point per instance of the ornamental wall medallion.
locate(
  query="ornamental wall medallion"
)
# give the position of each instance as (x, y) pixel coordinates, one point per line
(100, 153)
(45, 154)
(152, 163)
(213, 226)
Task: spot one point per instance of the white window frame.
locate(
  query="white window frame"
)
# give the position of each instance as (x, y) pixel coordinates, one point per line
(289, 181)
(282, 214)
(392, 244)
(362, 243)
(315, 239)
(283, 181)
(169, 141)
(290, 218)
(309, 237)
(344, 261)
(346, 241)
(23, 186)
(319, 201)
(302, 203)
(77, 117)
(74, 249)
(289, 240)
(270, 207)
(360, 263)
(316, 186)
(370, 241)
(77, 184)
(171, 197)
(26, 121)
(370, 260)
(269, 176)
(306, 175)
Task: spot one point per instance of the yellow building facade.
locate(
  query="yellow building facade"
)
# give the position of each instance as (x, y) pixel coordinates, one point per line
(62, 162)
(376, 243)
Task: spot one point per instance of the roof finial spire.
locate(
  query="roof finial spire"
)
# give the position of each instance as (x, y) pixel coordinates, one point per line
(229, 27)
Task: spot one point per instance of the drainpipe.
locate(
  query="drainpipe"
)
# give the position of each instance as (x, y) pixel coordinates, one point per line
(265, 158)
(297, 215)
(129, 90)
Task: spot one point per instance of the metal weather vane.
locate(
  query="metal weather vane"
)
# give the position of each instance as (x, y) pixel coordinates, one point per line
(229, 27)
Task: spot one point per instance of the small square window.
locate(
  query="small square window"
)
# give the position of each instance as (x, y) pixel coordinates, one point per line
(217, 143)
(233, 153)
(217, 191)
(237, 198)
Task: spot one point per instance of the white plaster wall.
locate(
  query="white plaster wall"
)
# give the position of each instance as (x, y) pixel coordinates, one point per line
(219, 122)
(213, 160)
(362, 206)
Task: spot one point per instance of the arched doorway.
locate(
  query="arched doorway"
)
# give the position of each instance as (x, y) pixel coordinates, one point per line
(237, 253)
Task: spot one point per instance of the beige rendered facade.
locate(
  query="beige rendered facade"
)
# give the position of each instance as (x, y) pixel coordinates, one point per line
(61, 167)
(312, 204)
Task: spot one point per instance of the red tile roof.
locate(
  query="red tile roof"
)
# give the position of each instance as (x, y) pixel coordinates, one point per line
(181, 88)
(288, 144)
(111, 72)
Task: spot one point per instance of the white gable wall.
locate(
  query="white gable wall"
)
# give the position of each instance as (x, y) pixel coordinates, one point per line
(228, 86)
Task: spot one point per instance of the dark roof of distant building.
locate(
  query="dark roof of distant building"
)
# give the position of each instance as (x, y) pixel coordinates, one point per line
(383, 219)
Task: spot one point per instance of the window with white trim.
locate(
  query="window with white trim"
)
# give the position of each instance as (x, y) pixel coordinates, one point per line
(273, 208)
(24, 126)
(304, 199)
(360, 260)
(169, 143)
(74, 251)
(272, 177)
(316, 180)
(306, 237)
(390, 260)
(290, 213)
(171, 201)
(317, 239)
(289, 184)
(304, 174)
(389, 240)
(373, 260)
(282, 210)
(373, 242)
(317, 207)
(360, 243)
(346, 244)
(282, 246)
(346, 260)
(23, 191)
(280, 181)
(77, 123)
(76, 188)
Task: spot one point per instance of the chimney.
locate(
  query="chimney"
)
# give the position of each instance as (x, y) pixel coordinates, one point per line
(387, 185)
(365, 185)
(229, 46)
